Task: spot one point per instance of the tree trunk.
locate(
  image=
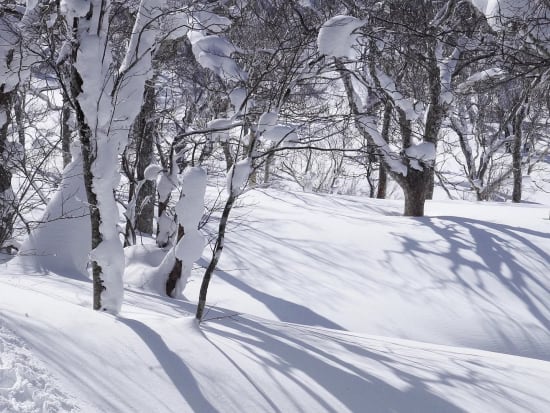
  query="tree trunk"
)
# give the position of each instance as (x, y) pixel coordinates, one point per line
(175, 272)
(216, 254)
(144, 132)
(415, 189)
(7, 207)
(516, 156)
(66, 131)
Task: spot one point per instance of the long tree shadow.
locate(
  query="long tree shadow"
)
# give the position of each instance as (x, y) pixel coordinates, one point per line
(294, 356)
(173, 366)
(506, 254)
(283, 309)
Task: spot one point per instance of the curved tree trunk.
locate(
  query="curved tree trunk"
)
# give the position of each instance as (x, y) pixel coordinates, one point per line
(7, 207)
(144, 132)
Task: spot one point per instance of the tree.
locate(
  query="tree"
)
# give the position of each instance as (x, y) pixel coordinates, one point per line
(404, 56)
(106, 103)
(15, 63)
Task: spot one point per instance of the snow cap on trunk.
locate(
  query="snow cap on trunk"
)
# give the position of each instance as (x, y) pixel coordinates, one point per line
(238, 175)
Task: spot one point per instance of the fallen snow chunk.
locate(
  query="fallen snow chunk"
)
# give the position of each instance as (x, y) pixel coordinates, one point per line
(336, 37)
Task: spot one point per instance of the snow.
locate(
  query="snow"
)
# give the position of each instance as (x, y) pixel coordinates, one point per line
(214, 52)
(267, 120)
(61, 242)
(337, 38)
(405, 104)
(75, 8)
(320, 304)
(238, 97)
(220, 128)
(279, 134)
(25, 384)
(423, 151)
(151, 172)
(189, 210)
(238, 175)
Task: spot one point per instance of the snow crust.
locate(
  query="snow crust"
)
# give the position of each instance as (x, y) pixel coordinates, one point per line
(336, 37)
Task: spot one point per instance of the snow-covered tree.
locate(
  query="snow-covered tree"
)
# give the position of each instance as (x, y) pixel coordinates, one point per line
(106, 102)
(405, 57)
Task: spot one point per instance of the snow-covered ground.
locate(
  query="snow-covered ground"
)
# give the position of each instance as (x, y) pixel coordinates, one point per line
(321, 303)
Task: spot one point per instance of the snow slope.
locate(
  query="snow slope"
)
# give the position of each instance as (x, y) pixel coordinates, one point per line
(313, 309)
(161, 361)
(468, 274)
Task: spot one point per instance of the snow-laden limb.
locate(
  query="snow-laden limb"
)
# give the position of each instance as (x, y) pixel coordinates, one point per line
(220, 128)
(337, 38)
(214, 52)
(207, 20)
(237, 177)
(407, 105)
(482, 77)
(391, 159)
(447, 66)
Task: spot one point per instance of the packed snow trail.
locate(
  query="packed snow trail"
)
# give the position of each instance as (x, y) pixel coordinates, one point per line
(26, 386)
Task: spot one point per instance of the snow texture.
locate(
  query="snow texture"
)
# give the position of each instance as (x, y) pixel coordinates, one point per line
(26, 386)
(337, 38)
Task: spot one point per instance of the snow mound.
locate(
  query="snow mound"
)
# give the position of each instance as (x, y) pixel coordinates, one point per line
(25, 384)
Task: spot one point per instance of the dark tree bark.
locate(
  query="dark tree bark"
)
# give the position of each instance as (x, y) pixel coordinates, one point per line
(144, 133)
(175, 272)
(66, 131)
(216, 254)
(7, 207)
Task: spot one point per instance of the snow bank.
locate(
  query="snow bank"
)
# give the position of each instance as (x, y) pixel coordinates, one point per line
(61, 243)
